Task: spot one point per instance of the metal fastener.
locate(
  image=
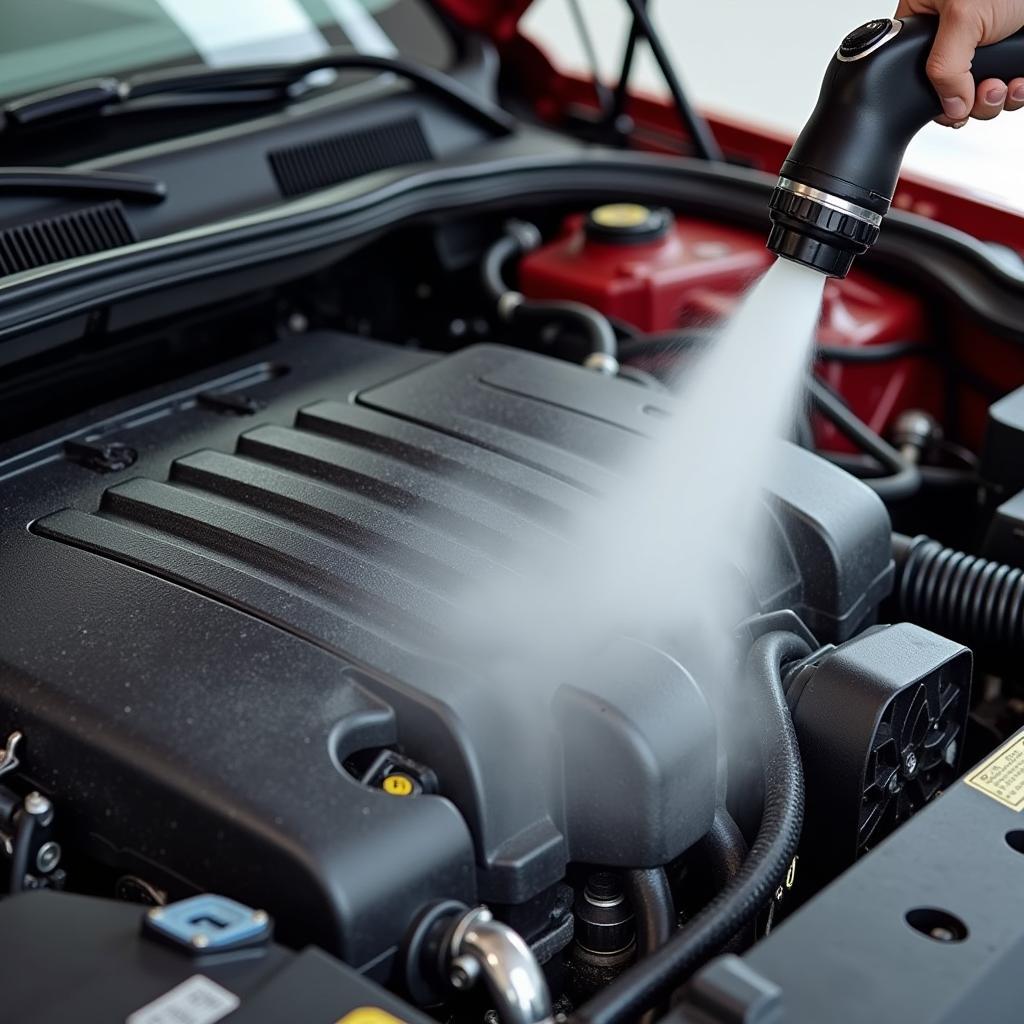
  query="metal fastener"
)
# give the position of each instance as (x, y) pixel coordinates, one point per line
(48, 857)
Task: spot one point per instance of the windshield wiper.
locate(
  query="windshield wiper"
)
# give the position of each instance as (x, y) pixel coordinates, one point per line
(248, 84)
(59, 181)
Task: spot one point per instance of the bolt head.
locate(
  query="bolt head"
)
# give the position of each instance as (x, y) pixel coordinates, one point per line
(260, 917)
(48, 857)
(463, 973)
(154, 913)
(200, 941)
(37, 804)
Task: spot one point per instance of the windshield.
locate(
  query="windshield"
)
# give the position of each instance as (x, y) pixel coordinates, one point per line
(50, 42)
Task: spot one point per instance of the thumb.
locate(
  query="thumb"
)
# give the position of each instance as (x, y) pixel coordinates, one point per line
(949, 65)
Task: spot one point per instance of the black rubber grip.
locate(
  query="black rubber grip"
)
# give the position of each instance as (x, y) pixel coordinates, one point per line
(870, 108)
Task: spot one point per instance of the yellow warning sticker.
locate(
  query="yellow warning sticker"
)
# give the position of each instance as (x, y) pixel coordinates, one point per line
(398, 785)
(368, 1015)
(1001, 776)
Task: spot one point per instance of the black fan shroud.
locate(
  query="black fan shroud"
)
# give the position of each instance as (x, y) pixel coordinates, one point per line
(880, 721)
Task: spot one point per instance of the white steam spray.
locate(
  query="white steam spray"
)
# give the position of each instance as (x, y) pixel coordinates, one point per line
(649, 560)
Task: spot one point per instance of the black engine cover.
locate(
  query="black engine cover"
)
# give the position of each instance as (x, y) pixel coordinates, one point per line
(199, 647)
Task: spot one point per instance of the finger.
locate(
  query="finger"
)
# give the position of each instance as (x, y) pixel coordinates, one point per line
(949, 64)
(909, 7)
(989, 99)
(1015, 96)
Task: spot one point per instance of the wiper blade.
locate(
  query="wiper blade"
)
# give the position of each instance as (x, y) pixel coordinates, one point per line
(60, 181)
(241, 84)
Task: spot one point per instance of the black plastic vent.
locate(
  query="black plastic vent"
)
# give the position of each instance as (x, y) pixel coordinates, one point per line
(336, 158)
(41, 242)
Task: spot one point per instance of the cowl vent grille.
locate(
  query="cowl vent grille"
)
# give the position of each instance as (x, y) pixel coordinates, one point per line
(337, 158)
(53, 239)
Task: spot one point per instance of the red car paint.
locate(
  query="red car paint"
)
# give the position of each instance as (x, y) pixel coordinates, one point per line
(694, 277)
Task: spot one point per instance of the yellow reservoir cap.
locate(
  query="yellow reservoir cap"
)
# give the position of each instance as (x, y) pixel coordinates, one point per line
(628, 223)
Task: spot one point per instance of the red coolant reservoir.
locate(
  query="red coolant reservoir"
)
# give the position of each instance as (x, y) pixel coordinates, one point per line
(660, 273)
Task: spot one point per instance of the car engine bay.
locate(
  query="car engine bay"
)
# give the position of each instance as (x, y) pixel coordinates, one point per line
(239, 500)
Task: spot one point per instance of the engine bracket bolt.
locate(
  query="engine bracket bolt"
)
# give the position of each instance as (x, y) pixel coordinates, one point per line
(48, 857)
(464, 972)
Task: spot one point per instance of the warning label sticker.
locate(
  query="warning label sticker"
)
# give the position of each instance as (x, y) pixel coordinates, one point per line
(196, 1001)
(1002, 775)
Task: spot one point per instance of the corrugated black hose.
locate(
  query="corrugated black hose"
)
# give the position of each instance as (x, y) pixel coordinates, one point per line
(653, 978)
(972, 600)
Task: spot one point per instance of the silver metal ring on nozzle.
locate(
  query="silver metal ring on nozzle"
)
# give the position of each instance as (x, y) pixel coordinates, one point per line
(832, 202)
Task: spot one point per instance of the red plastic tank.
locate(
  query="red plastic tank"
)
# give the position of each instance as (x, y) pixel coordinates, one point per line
(660, 273)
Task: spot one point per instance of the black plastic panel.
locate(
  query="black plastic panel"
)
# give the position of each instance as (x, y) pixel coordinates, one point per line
(926, 929)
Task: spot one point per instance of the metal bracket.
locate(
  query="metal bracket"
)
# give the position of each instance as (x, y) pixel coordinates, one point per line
(9, 754)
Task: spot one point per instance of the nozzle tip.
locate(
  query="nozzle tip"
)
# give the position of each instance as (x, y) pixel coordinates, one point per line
(792, 245)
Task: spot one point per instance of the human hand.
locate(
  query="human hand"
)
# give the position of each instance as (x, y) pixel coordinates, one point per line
(964, 25)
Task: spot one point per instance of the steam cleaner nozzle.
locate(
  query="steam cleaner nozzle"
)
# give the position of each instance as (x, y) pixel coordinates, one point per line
(837, 183)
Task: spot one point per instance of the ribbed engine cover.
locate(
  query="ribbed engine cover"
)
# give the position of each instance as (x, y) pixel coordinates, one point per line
(206, 648)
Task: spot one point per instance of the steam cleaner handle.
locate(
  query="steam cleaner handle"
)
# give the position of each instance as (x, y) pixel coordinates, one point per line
(876, 96)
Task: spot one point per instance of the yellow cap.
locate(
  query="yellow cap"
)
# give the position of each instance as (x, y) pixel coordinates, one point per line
(621, 215)
(398, 785)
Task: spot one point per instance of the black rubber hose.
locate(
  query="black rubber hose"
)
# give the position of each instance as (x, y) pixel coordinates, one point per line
(521, 237)
(24, 833)
(510, 246)
(600, 335)
(724, 848)
(670, 342)
(904, 479)
(883, 352)
(933, 477)
(972, 600)
(651, 898)
(652, 979)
